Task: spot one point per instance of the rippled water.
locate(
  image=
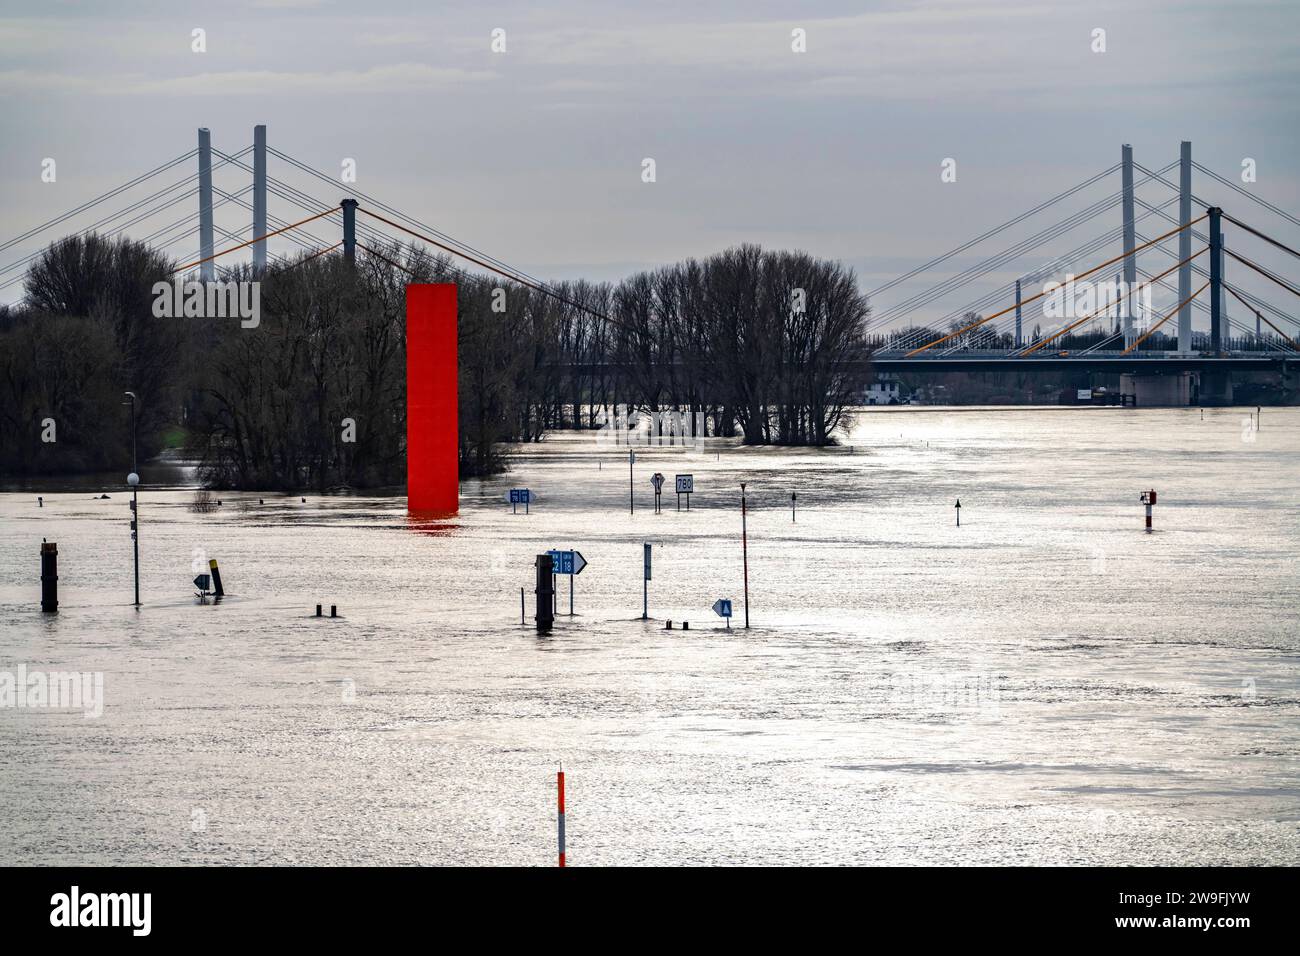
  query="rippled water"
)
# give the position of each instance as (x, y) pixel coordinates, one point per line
(1046, 684)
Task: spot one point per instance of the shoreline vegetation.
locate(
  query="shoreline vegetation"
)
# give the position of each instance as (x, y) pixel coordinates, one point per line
(767, 346)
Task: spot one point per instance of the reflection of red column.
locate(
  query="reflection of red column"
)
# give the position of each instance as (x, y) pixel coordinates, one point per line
(432, 442)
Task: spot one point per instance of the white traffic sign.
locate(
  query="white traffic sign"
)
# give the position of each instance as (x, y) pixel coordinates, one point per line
(685, 484)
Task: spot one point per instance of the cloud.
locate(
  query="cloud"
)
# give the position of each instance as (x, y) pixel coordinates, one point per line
(397, 78)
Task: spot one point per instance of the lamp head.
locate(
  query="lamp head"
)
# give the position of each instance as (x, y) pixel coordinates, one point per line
(133, 479)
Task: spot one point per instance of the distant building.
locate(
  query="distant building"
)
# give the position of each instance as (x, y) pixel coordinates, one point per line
(881, 393)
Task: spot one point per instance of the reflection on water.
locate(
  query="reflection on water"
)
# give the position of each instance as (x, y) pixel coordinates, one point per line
(1046, 684)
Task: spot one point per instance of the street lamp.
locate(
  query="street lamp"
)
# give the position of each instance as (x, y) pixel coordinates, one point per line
(134, 481)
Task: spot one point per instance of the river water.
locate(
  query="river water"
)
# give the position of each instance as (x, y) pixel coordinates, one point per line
(1046, 684)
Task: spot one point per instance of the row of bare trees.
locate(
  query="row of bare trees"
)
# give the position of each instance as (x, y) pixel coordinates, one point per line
(769, 344)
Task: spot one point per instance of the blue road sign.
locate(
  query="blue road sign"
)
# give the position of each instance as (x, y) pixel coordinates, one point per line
(520, 496)
(722, 607)
(567, 562)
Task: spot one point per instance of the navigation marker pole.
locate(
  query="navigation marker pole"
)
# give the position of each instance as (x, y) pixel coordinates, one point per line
(559, 781)
(744, 545)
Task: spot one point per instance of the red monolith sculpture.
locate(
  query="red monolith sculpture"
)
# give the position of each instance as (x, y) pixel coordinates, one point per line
(432, 422)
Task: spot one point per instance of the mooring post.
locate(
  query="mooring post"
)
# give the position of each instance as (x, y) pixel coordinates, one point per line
(545, 616)
(645, 581)
(792, 517)
(217, 589)
(49, 577)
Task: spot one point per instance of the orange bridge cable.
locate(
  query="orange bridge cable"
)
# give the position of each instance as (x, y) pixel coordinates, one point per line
(491, 268)
(380, 255)
(1149, 332)
(1081, 275)
(243, 245)
(318, 252)
(1262, 271)
(1108, 305)
(1260, 315)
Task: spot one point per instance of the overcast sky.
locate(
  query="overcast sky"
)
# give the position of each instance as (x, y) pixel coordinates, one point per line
(535, 154)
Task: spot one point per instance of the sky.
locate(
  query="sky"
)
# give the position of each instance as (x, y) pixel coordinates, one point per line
(536, 154)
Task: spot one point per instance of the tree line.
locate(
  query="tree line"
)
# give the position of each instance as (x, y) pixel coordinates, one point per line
(767, 345)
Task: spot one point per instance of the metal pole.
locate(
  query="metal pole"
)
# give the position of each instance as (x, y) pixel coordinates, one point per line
(645, 581)
(631, 500)
(259, 197)
(744, 546)
(1130, 241)
(1185, 247)
(135, 537)
(208, 269)
(559, 782)
(1018, 338)
(1216, 278)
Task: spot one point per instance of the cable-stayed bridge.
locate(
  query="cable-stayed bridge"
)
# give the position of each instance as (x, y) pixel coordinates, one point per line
(1087, 307)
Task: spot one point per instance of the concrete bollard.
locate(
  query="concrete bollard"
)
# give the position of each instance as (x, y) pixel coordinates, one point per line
(40, 501)
(318, 610)
(686, 625)
(49, 577)
(668, 625)
(217, 589)
(334, 611)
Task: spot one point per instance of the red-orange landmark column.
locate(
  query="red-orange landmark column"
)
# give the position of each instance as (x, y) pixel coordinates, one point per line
(432, 422)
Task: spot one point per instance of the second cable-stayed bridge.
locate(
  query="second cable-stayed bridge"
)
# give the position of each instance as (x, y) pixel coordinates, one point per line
(1171, 244)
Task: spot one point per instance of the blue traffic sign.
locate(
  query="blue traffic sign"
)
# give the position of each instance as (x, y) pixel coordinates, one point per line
(567, 562)
(722, 607)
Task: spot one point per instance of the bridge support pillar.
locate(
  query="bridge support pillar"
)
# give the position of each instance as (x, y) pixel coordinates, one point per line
(1185, 247)
(1216, 279)
(208, 269)
(1169, 390)
(350, 236)
(432, 411)
(1216, 388)
(259, 198)
(1130, 241)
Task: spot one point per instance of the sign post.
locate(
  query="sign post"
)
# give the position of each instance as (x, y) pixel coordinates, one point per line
(517, 497)
(570, 563)
(722, 608)
(685, 485)
(657, 479)
(744, 545)
(958, 506)
(631, 497)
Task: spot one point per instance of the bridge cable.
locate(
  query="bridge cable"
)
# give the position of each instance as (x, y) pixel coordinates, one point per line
(242, 245)
(108, 195)
(992, 232)
(1081, 275)
(1092, 315)
(1149, 332)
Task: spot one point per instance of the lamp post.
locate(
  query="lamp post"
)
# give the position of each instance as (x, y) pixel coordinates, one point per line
(135, 464)
(133, 480)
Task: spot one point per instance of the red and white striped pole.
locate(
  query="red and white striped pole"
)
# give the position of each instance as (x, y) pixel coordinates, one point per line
(559, 779)
(1148, 499)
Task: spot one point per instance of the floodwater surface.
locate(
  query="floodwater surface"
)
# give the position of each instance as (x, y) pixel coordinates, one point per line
(1046, 684)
